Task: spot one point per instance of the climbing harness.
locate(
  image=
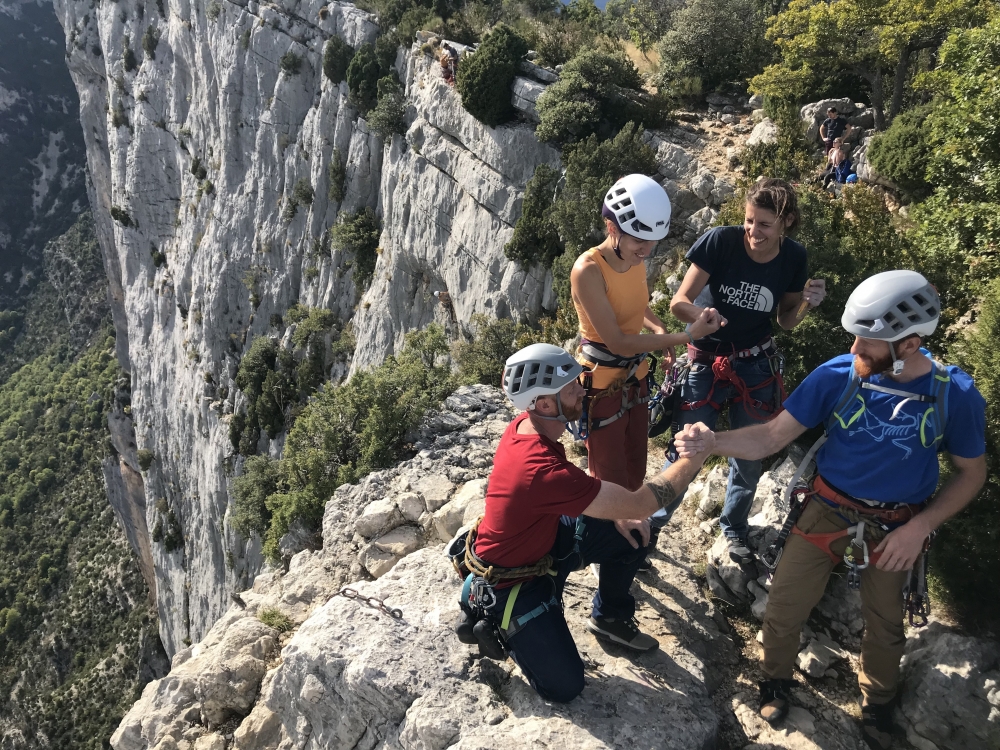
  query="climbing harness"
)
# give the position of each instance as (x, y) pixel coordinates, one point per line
(664, 406)
(724, 372)
(598, 354)
(371, 601)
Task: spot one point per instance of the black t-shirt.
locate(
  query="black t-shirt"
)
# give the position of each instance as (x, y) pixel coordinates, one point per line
(746, 292)
(834, 127)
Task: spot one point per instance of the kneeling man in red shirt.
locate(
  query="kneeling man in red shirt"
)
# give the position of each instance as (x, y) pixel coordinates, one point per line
(539, 504)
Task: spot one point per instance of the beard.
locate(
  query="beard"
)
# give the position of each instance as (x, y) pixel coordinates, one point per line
(866, 368)
(574, 412)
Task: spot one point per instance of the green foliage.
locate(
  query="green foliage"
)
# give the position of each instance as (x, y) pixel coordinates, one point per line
(715, 42)
(213, 10)
(337, 174)
(10, 327)
(249, 493)
(596, 92)
(128, 59)
(359, 234)
(788, 158)
(535, 238)
(484, 77)
(275, 618)
(119, 118)
(291, 64)
(337, 56)
(121, 216)
(389, 115)
(302, 192)
(145, 457)
(481, 359)
(150, 38)
(363, 75)
(198, 169)
(902, 153)
(348, 431)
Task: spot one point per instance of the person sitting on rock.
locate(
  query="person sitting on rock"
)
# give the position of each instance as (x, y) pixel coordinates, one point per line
(611, 298)
(544, 512)
(749, 273)
(889, 409)
(839, 164)
(832, 128)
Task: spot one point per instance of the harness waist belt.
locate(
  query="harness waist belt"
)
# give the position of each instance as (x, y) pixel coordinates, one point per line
(900, 513)
(704, 357)
(599, 354)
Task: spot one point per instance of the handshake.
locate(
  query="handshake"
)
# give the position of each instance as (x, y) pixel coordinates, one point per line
(695, 441)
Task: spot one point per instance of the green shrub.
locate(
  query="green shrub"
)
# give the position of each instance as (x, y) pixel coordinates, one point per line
(484, 77)
(121, 216)
(715, 42)
(481, 359)
(291, 64)
(128, 59)
(595, 90)
(359, 234)
(145, 457)
(198, 169)
(389, 115)
(337, 173)
(119, 118)
(363, 75)
(302, 192)
(337, 56)
(150, 39)
(535, 238)
(788, 158)
(902, 153)
(276, 619)
(249, 492)
(213, 10)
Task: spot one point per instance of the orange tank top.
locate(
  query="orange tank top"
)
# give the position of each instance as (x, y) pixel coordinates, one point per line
(629, 297)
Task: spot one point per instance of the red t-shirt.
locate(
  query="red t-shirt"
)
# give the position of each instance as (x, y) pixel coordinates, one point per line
(532, 485)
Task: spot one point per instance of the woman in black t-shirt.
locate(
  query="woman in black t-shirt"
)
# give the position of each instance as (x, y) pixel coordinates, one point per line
(751, 275)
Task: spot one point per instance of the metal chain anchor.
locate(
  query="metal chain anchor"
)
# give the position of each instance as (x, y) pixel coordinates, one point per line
(371, 601)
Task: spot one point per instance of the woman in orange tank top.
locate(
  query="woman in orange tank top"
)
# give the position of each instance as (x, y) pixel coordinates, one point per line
(612, 302)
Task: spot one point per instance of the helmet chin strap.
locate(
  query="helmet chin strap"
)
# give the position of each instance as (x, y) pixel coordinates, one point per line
(897, 364)
(560, 418)
(618, 241)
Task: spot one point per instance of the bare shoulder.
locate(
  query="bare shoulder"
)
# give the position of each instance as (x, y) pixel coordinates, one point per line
(586, 268)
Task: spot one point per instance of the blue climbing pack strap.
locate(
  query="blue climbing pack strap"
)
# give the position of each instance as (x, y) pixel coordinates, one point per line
(851, 404)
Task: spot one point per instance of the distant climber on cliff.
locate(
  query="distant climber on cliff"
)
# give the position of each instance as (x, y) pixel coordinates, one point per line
(611, 298)
(544, 519)
(753, 274)
(449, 63)
(888, 411)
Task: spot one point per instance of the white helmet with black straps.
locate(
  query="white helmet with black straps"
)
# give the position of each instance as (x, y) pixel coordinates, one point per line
(538, 370)
(639, 206)
(890, 306)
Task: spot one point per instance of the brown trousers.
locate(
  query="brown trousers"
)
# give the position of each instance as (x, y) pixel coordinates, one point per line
(617, 452)
(798, 585)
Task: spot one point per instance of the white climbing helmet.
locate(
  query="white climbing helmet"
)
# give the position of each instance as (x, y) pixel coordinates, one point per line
(538, 370)
(640, 207)
(892, 305)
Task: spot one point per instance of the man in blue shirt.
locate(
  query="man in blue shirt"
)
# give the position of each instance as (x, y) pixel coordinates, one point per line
(888, 410)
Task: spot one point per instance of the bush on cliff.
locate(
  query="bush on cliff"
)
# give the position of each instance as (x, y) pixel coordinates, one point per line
(337, 56)
(902, 153)
(389, 116)
(535, 239)
(359, 233)
(597, 93)
(481, 357)
(348, 431)
(484, 77)
(363, 75)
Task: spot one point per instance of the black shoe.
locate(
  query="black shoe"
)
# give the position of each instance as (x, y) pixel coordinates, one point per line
(625, 632)
(774, 699)
(646, 565)
(740, 552)
(876, 724)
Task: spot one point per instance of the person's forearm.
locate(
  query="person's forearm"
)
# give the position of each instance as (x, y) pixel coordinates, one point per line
(788, 319)
(660, 491)
(652, 321)
(752, 443)
(685, 311)
(628, 344)
(957, 492)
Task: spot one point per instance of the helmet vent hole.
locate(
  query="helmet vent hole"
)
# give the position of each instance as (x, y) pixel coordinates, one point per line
(919, 300)
(638, 226)
(627, 216)
(889, 318)
(865, 323)
(903, 307)
(932, 311)
(897, 326)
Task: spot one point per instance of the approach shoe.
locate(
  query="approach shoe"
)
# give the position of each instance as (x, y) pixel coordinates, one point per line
(774, 699)
(624, 632)
(876, 724)
(646, 565)
(740, 552)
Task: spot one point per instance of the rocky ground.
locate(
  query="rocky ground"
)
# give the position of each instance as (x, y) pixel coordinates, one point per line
(292, 664)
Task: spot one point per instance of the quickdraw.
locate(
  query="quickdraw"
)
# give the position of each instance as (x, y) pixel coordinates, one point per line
(665, 404)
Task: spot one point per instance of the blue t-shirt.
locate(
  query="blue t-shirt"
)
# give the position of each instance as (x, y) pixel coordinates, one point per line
(878, 457)
(746, 292)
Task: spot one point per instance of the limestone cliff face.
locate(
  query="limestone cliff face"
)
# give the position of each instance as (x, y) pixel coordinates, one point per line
(195, 137)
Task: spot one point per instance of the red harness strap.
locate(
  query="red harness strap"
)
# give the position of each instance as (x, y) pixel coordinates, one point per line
(723, 372)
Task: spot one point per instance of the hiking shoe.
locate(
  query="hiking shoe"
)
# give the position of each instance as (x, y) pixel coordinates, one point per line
(774, 699)
(740, 552)
(646, 565)
(876, 724)
(625, 632)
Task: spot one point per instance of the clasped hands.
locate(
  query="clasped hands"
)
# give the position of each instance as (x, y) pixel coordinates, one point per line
(695, 441)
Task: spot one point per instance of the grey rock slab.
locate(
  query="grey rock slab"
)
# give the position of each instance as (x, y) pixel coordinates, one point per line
(765, 131)
(436, 490)
(401, 541)
(411, 505)
(377, 518)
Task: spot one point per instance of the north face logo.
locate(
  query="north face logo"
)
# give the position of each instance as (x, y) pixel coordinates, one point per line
(748, 296)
